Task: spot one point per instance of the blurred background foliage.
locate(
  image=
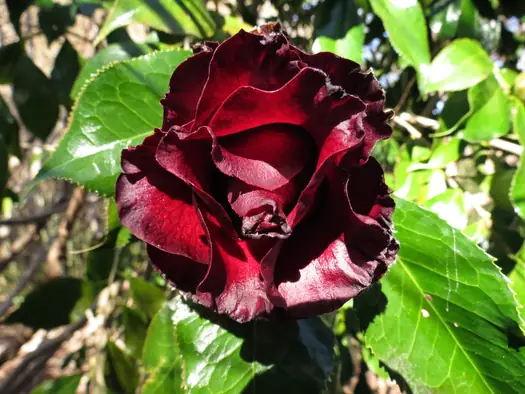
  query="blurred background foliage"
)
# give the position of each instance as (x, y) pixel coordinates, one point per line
(81, 309)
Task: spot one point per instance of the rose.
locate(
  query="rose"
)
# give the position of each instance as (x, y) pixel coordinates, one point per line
(258, 195)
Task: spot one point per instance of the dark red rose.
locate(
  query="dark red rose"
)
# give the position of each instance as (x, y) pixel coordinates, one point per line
(258, 195)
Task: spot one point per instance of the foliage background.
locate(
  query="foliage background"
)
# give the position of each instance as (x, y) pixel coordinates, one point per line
(81, 308)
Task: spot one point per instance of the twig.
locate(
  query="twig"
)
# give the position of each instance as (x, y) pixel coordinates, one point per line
(414, 133)
(405, 94)
(28, 275)
(56, 252)
(38, 218)
(496, 143)
(19, 246)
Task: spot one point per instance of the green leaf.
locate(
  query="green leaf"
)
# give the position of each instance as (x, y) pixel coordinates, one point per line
(119, 108)
(451, 323)
(49, 305)
(148, 297)
(517, 192)
(114, 52)
(405, 24)
(61, 385)
(350, 47)
(460, 65)
(189, 352)
(517, 276)
(450, 206)
(124, 367)
(65, 71)
(444, 22)
(176, 17)
(455, 112)
(490, 109)
(35, 98)
(8, 140)
(333, 18)
(135, 327)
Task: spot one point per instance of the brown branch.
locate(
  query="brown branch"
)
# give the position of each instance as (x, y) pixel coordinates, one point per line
(57, 252)
(38, 218)
(18, 246)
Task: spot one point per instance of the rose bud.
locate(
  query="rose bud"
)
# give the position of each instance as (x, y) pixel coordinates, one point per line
(258, 195)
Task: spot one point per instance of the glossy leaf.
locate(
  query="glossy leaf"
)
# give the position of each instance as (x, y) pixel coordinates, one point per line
(49, 305)
(119, 108)
(113, 52)
(491, 112)
(175, 17)
(451, 323)
(450, 206)
(517, 276)
(148, 297)
(35, 98)
(61, 385)
(405, 24)
(350, 46)
(460, 65)
(187, 353)
(65, 71)
(444, 22)
(517, 192)
(455, 113)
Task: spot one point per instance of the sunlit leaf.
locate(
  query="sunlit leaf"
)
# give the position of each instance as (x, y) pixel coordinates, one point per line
(451, 322)
(458, 66)
(517, 192)
(175, 17)
(119, 108)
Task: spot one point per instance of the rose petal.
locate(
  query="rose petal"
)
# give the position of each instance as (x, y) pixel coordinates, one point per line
(233, 278)
(262, 211)
(306, 100)
(186, 85)
(317, 271)
(190, 161)
(267, 157)
(183, 273)
(157, 207)
(245, 59)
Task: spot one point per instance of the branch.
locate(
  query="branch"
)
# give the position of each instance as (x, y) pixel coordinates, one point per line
(404, 118)
(18, 246)
(38, 218)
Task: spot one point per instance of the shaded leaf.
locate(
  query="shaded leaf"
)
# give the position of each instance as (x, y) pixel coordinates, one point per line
(61, 385)
(334, 18)
(135, 327)
(445, 295)
(148, 297)
(124, 367)
(9, 57)
(460, 65)
(405, 24)
(113, 52)
(119, 108)
(55, 20)
(65, 71)
(176, 17)
(185, 352)
(35, 98)
(49, 305)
